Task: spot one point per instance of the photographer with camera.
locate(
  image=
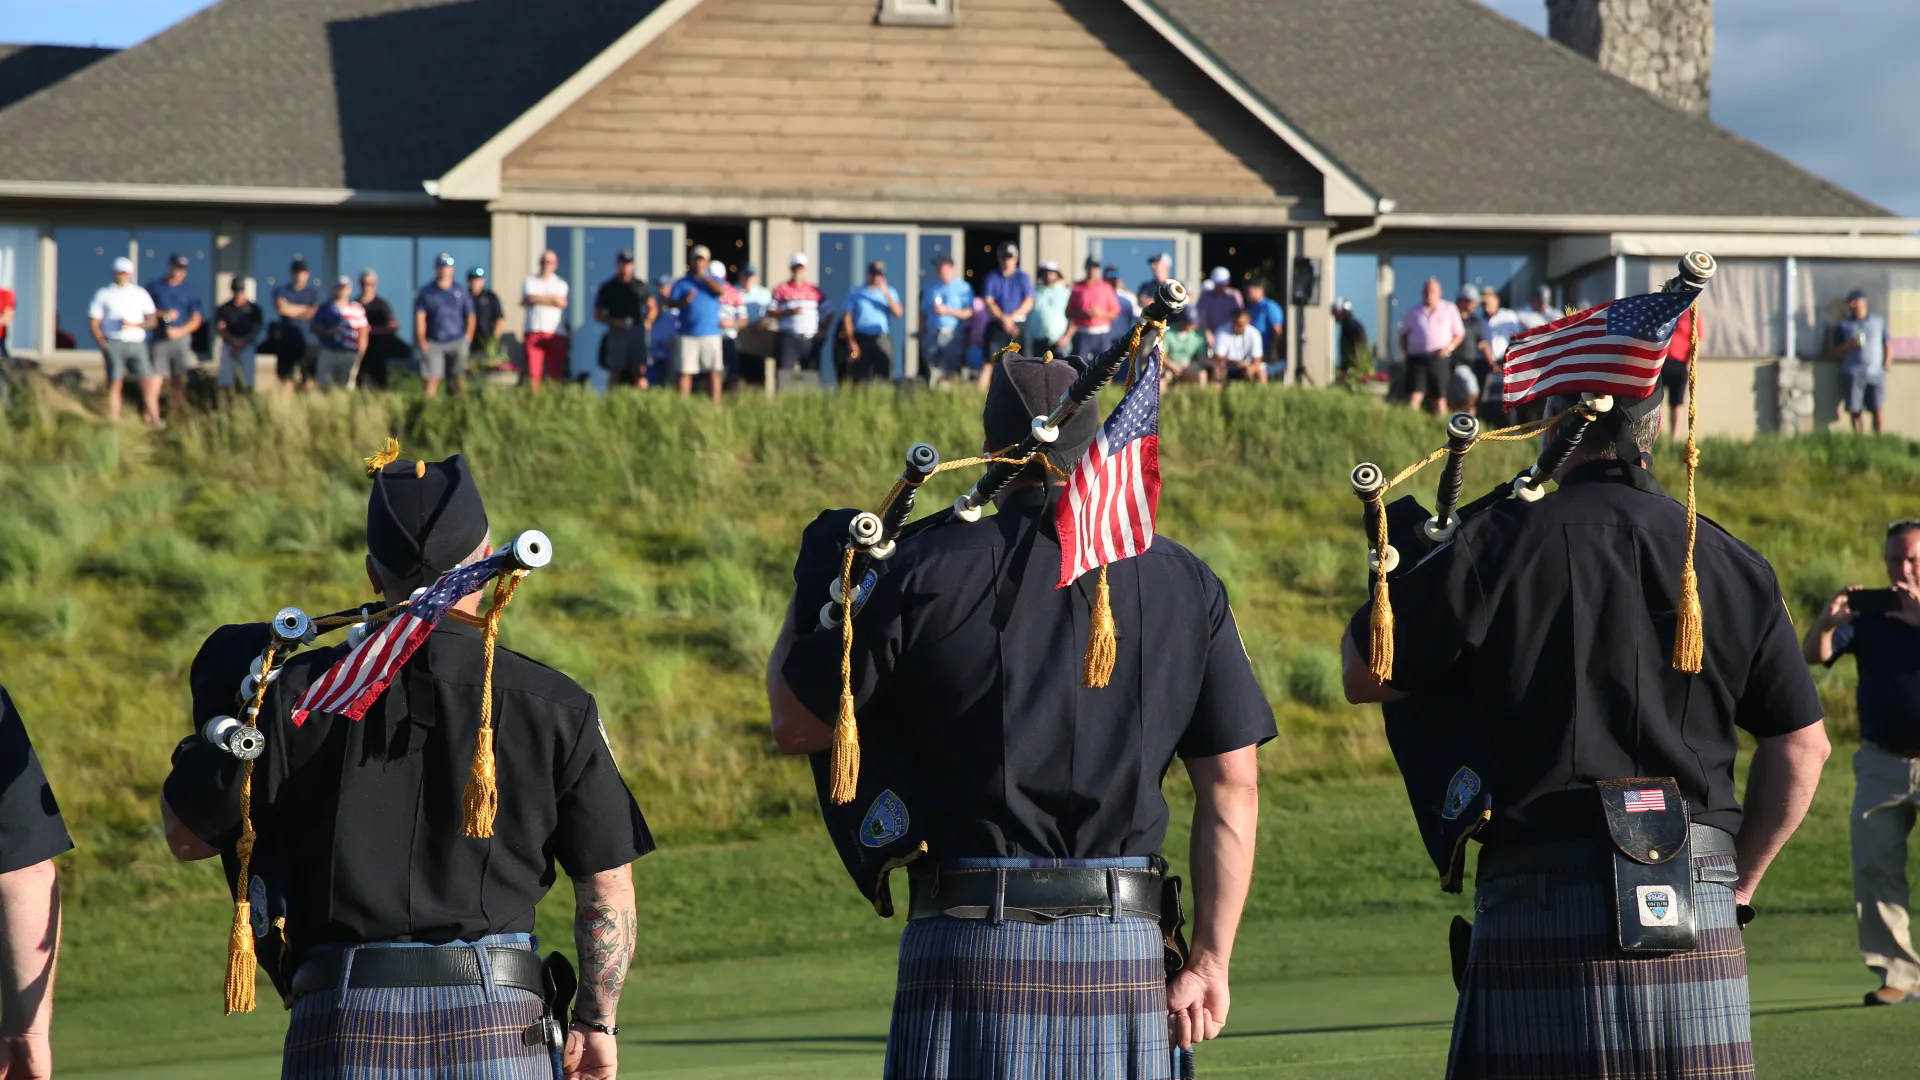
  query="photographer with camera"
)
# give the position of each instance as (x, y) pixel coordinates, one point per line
(1881, 628)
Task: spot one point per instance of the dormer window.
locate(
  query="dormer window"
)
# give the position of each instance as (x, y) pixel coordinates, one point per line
(918, 13)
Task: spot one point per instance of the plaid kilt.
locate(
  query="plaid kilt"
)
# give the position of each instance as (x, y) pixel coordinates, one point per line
(1549, 996)
(415, 1033)
(1081, 999)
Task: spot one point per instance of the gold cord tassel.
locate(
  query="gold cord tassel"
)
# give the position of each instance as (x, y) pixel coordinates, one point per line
(846, 732)
(1689, 635)
(1101, 645)
(242, 964)
(1380, 649)
(480, 804)
(385, 456)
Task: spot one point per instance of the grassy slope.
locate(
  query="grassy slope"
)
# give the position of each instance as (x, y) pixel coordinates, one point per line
(118, 551)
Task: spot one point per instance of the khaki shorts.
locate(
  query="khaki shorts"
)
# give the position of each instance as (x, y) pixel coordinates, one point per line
(697, 355)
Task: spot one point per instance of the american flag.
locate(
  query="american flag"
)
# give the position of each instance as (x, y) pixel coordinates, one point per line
(350, 686)
(1615, 348)
(1639, 802)
(1114, 492)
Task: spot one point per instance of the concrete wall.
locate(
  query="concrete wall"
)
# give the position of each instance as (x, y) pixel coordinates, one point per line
(1738, 398)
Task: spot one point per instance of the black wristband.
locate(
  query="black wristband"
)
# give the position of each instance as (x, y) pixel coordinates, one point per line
(604, 1029)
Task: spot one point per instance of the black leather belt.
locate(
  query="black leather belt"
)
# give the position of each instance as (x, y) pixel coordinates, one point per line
(386, 969)
(1031, 894)
(1582, 855)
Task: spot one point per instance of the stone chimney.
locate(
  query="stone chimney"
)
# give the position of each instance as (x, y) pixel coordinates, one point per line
(1665, 47)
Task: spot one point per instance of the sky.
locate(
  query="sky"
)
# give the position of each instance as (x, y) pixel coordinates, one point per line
(1830, 86)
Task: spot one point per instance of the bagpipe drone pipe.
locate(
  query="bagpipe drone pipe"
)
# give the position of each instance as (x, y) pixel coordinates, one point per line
(867, 785)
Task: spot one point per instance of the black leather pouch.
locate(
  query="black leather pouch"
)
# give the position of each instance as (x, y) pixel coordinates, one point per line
(1173, 922)
(1652, 864)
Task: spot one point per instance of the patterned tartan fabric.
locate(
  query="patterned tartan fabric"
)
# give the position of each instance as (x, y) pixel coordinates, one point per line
(1548, 995)
(415, 1033)
(1081, 999)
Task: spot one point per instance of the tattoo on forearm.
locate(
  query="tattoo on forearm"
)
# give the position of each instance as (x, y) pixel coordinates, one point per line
(604, 936)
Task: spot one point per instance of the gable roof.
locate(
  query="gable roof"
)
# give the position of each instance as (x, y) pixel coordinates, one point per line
(307, 94)
(27, 68)
(1446, 107)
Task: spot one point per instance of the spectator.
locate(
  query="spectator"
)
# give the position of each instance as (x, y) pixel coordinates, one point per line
(120, 316)
(1238, 350)
(443, 325)
(628, 314)
(662, 328)
(1129, 304)
(544, 297)
(6, 321)
(869, 327)
(1463, 382)
(733, 319)
(180, 314)
(238, 324)
(295, 301)
(1859, 342)
(383, 334)
(1497, 327)
(946, 309)
(1542, 312)
(1091, 308)
(1184, 353)
(1673, 370)
(977, 336)
(1356, 351)
(754, 295)
(1009, 295)
(1162, 267)
(796, 311)
(695, 299)
(1217, 302)
(489, 317)
(1051, 330)
(341, 328)
(1265, 315)
(756, 344)
(1428, 335)
(1886, 769)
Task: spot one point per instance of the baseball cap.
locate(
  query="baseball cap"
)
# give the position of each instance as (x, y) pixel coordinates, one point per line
(1343, 304)
(1091, 262)
(343, 282)
(1544, 294)
(799, 259)
(1488, 290)
(876, 267)
(1856, 294)
(750, 269)
(123, 265)
(1468, 292)
(477, 272)
(1160, 257)
(660, 279)
(1049, 265)
(1009, 251)
(1220, 276)
(943, 259)
(179, 260)
(443, 259)
(717, 270)
(623, 255)
(299, 265)
(1111, 272)
(699, 252)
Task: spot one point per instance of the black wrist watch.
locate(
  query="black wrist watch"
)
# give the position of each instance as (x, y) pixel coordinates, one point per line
(604, 1029)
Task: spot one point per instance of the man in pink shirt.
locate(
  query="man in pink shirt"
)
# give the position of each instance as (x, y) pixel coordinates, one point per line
(1092, 307)
(1428, 336)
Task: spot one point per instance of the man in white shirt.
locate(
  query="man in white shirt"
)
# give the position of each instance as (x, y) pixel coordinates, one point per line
(1497, 326)
(544, 295)
(120, 316)
(1238, 351)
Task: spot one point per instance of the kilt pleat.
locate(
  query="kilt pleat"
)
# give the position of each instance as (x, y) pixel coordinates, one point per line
(415, 1033)
(1080, 999)
(1549, 996)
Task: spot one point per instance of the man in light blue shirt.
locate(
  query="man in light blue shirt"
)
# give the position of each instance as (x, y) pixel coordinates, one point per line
(946, 307)
(869, 327)
(1860, 344)
(1049, 325)
(696, 300)
(1268, 319)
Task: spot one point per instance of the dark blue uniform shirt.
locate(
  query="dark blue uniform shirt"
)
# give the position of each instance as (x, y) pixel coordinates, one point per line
(31, 830)
(1888, 656)
(1557, 619)
(1016, 758)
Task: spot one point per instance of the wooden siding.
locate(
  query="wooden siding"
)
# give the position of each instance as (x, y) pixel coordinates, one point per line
(1053, 99)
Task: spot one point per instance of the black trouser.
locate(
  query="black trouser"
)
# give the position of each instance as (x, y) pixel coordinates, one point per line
(875, 360)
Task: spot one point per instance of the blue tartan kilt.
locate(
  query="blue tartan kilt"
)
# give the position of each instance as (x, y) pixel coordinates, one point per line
(1080, 999)
(417, 1033)
(1549, 996)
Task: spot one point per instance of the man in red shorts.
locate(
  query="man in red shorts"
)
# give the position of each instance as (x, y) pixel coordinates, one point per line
(544, 295)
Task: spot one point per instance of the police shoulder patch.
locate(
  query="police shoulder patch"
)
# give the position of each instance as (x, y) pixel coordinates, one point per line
(1461, 791)
(257, 898)
(886, 821)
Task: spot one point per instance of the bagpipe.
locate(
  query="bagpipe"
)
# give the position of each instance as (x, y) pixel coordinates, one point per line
(1442, 749)
(380, 638)
(866, 784)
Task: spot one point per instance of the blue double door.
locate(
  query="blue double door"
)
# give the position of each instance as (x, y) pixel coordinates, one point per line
(907, 256)
(587, 256)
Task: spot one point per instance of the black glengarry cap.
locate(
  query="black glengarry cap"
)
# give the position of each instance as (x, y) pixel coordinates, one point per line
(423, 518)
(1024, 388)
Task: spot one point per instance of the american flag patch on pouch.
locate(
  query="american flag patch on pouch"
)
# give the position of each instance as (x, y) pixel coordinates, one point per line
(1639, 802)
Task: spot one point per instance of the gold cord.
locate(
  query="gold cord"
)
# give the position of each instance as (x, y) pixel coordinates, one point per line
(242, 964)
(1380, 650)
(1103, 646)
(1689, 634)
(846, 732)
(480, 804)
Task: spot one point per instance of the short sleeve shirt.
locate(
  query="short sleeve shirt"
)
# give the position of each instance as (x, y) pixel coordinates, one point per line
(486, 312)
(1008, 291)
(955, 294)
(1016, 757)
(701, 315)
(447, 311)
(1556, 619)
(1216, 306)
(6, 305)
(872, 311)
(1266, 316)
(1430, 331)
(621, 299)
(307, 297)
(241, 320)
(802, 302)
(732, 309)
(1093, 305)
(1238, 346)
(379, 313)
(1888, 654)
(31, 829)
(1184, 346)
(544, 318)
(340, 326)
(1866, 345)
(1050, 311)
(122, 311)
(182, 299)
(1499, 328)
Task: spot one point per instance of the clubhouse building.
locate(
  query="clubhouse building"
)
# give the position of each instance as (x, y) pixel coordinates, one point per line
(1341, 148)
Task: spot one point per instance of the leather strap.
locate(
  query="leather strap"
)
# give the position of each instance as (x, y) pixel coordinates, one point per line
(1032, 894)
(1578, 855)
(386, 969)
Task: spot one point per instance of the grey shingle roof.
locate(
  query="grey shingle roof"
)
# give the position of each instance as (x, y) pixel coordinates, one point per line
(368, 94)
(26, 68)
(1447, 107)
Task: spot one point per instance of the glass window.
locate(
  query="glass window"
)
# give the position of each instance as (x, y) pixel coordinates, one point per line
(1589, 287)
(1132, 256)
(274, 253)
(20, 275)
(1356, 279)
(1820, 301)
(843, 261)
(586, 261)
(1410, 274)
(663, 258)
(85, 266)
(1512, 276)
